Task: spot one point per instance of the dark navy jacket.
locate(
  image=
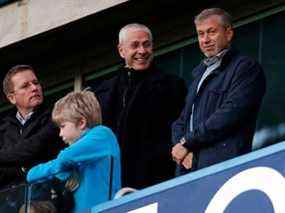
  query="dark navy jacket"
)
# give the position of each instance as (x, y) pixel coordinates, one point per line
(225, 111)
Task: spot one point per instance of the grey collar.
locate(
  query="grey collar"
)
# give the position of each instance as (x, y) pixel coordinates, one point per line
(23, 120)
(214, 59)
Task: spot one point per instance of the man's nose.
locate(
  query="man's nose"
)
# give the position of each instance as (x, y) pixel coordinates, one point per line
(206, 38)
(141, 49)
(34, 86)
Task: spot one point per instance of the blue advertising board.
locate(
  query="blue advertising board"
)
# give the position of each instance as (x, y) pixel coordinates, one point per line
(251, 183)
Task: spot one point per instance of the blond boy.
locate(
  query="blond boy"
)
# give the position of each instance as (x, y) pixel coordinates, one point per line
(93, 151)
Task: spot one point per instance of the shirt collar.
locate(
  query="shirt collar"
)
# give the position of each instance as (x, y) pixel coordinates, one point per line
(215, 59)
(23, 120)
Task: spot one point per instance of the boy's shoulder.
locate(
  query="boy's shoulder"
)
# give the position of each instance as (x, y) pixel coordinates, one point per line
(101, 130)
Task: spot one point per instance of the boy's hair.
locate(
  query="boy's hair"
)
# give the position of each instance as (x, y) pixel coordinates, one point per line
(76, 105)
(7, 83)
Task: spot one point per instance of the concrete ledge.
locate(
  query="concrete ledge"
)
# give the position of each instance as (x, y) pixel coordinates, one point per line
(26, 18)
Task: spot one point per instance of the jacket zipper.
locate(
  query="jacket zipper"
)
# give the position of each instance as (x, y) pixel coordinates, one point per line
(126, 90)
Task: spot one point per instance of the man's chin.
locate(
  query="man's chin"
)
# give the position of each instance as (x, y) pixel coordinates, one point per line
(36, 103)
(141, 67)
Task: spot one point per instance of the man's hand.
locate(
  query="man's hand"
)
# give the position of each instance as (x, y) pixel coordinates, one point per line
(178, 153)
(188, 160)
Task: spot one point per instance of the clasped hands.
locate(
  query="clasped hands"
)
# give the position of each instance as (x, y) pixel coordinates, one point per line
(181, 155)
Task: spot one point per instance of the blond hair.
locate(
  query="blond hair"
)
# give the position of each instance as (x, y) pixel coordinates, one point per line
(76, 105)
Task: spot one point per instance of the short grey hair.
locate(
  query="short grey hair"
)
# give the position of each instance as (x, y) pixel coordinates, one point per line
(225, 17)
(134, 26)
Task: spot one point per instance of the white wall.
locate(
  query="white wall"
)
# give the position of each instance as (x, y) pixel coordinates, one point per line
(26, 18)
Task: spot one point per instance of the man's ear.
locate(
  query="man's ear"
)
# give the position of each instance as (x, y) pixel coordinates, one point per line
(230, 34)
(11, 98)
(121, 50)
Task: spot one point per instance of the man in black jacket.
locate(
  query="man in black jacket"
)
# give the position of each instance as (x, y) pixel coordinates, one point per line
(219, 118)
(27, 136)
(139, 104)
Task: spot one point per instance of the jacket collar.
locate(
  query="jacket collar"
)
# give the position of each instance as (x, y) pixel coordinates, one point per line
(12, 116)
(152, 68)
(225, 61)
(136, 76)
(227, 58)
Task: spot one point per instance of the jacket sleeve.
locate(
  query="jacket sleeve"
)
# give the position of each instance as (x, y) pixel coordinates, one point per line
(46, 139)
(244, 99)
(84, 151)
(178, 127)
(43, 171)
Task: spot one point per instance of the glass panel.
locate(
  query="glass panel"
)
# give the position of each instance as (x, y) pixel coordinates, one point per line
(94, 83)
(271, 119)
(192, 57)
(246, 39)
(12, 199)
(170, 62)
(71, 190)
(274, 64)
(50, 196)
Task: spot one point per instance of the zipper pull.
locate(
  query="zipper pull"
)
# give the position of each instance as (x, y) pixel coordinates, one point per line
(124, 99)
(126, 89)
(129, 77)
